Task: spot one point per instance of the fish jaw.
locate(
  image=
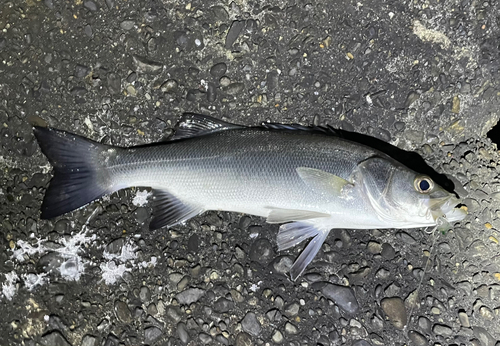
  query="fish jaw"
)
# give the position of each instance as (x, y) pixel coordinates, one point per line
(446, 207)
(455, 214)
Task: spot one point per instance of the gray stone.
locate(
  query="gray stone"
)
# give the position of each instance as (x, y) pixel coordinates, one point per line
(277, 337)
(147, 66)
(89, 340)
(417, 338)
(395, 310)
(283, 264)
(464, 319)
(145, 294)
(218, 70)
(189, 296)
(114, 83)
(174, 313)
(343, 296)
(274, 315)
(442, 329)
(251, 324)
(54, 338)
(123, 312)
(182, 332)
(205, 338)
(88, 30)
(234, 32)
(127, 24)
(388, 251)
(424, 324)
(412, 97)
(110, 4)
(290, 329)
(484, 336)
(49, 4)
(169, 86)
(374, 247)
(292, 309)
(223, 305)
(361, 343)
(234, 88)
(405, 237)
(244, 339)
(151, 334)
(90, 5)
(81, 71)
(261, 251)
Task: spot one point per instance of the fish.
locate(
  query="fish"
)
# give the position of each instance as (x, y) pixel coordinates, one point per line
(308, 179)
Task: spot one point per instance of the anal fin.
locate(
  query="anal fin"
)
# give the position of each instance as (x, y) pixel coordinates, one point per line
(169, 211)
(292, 234)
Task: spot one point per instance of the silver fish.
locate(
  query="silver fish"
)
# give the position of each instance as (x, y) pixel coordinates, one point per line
(307, 179)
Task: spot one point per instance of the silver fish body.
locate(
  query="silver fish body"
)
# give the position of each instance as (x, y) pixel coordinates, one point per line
(309, 180)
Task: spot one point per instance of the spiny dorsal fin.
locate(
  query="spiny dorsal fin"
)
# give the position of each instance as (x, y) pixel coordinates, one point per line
(194, 125)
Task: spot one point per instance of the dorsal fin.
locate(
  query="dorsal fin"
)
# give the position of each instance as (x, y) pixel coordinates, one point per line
(194, 125)
(327, 130)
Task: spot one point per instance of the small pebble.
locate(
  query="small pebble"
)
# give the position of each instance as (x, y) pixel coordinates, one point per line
(189, 296)
(218, 70)
(395, 310)
(251, 324)
(277, 337)
(443, 330)
(417, 338)
(343, 296)
(127, 24)
(290, 329)
(151, 334)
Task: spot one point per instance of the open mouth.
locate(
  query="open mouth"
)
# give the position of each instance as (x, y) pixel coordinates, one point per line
(446, 207)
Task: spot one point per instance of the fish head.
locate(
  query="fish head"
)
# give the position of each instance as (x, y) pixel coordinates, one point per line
(404, 198)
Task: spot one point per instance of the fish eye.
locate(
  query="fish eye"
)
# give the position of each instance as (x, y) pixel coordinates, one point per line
(423, 184)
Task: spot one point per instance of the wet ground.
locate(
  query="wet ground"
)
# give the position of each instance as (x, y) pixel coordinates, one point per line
(421, 75)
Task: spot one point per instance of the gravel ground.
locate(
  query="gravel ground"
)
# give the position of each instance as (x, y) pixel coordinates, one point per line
(421, 75)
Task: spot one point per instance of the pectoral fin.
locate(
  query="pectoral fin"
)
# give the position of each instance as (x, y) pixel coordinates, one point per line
(279, 215)
(291, 234)
(321, 181)
(169, 211)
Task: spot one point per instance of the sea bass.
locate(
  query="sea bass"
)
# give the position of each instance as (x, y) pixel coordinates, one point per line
(308, 179)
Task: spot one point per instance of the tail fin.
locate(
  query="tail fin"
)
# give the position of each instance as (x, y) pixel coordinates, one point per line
(79, 176)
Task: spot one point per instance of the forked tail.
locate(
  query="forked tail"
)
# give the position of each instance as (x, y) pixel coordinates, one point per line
(79, 174)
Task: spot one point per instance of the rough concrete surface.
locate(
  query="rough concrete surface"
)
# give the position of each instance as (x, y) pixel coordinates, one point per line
(421, 75)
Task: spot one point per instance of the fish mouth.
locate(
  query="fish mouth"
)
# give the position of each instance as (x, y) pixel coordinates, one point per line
(446, 207)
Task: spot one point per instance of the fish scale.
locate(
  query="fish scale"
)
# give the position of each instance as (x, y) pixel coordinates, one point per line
(222, 173)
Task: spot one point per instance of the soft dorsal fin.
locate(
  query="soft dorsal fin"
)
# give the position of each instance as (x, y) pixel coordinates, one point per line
(194, 125)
